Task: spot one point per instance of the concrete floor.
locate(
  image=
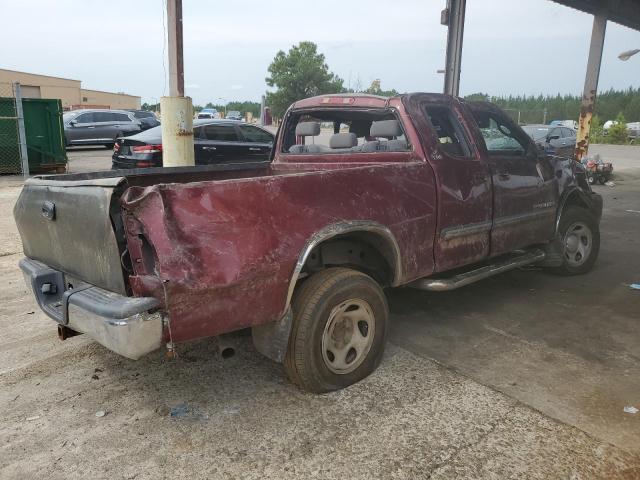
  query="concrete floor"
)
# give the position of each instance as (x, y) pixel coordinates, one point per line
(522, 376)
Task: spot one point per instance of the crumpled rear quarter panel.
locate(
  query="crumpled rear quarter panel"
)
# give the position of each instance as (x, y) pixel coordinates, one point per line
(226, 250)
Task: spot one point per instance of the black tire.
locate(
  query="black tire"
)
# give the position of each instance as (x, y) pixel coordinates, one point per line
(591, 179)
(576, 217)
(602, 179)
(314, 305)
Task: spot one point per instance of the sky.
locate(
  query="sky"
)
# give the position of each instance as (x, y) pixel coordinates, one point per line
(510, 47)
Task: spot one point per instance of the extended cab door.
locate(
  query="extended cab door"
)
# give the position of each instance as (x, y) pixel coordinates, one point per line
(525, 190)
(464, 187)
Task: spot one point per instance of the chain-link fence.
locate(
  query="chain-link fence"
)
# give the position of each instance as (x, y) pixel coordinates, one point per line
(10, 132)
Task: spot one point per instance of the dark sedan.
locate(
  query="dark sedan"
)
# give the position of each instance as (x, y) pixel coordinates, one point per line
(215, 141)
(555, 140)
(147, 119)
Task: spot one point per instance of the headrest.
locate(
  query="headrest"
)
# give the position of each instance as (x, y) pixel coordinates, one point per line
(308, 129)
(386, 129)
(343, 140)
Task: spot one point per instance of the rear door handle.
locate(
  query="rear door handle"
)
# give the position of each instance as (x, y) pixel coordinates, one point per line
(504, 176)
(254, 149)
(208, 148)
(91, 127)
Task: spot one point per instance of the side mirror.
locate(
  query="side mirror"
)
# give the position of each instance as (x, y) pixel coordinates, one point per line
(553, 137)
(73, 123)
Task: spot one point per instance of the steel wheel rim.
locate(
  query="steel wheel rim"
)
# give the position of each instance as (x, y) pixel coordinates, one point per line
(348, 336)
(578, 242)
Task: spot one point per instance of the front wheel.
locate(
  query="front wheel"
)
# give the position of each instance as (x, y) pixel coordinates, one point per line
(580, 236)
(339, 330)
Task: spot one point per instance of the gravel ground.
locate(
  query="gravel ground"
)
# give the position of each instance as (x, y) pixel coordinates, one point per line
(199, 416)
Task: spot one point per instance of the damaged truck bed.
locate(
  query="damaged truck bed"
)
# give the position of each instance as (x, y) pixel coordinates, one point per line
(363, 193)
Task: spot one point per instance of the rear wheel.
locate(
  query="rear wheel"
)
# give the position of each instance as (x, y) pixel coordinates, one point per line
(580, 236)
(339, 330)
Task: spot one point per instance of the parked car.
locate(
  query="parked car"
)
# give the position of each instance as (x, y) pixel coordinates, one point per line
(633, 131)
(572, 124)
(554, 140)
(215, 141)
(407, 194)
(147, 119)
(98, 127)
(607, 125)
(208, 113)
(234, 115)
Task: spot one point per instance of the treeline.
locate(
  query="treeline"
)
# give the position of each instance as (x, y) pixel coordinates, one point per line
(242, 107)
(531, 109)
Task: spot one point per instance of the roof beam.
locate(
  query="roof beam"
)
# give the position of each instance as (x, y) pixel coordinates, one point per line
(624, 12)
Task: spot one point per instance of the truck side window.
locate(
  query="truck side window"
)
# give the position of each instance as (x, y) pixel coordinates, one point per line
(499, 135)
(448, 130)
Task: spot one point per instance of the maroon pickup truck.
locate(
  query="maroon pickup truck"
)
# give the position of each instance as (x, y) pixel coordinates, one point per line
(363, 193)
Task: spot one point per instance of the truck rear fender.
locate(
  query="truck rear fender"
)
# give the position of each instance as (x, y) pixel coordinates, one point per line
(372, 235)
(363, 245)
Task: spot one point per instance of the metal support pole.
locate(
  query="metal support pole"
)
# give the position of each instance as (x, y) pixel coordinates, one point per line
(262, 103)
(177, 110)
(453, 17)
(22, 136)
(176, 61)
(590, 86)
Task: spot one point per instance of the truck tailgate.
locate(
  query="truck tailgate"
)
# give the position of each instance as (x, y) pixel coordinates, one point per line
(68, 226)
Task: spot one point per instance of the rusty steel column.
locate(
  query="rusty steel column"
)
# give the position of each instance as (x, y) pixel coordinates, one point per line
(590, 86)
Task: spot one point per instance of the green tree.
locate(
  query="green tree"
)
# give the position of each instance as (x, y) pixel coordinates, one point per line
(376, 89)
(596, 134)
(618, 131)
(300, 73)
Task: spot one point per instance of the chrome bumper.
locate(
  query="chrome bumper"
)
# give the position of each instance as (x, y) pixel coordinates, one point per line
(129, 326)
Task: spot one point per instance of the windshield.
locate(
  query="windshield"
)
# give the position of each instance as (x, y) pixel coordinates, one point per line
(233, 113)
(537, 133)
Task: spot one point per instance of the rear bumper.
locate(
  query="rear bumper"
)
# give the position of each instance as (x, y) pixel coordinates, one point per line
(129, 326)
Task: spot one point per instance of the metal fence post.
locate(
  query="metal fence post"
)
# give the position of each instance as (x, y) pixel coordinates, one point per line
(22, 136)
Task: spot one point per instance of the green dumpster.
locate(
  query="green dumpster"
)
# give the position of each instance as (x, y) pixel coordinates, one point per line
(45, 134)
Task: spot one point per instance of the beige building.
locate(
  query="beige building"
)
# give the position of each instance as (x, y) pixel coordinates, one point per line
(69, 91)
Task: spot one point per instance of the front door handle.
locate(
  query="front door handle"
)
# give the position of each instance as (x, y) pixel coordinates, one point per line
(208, 148)
(91, 127)
(504, 176)
(254, 149)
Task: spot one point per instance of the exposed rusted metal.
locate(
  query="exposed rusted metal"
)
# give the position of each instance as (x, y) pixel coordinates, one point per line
(66, 332)
(590, 86)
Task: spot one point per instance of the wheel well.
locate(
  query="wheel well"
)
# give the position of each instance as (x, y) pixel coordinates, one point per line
(363, 251)
(574, 198)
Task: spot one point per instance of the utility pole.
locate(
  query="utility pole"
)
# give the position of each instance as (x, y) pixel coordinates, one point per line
(177, 110)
